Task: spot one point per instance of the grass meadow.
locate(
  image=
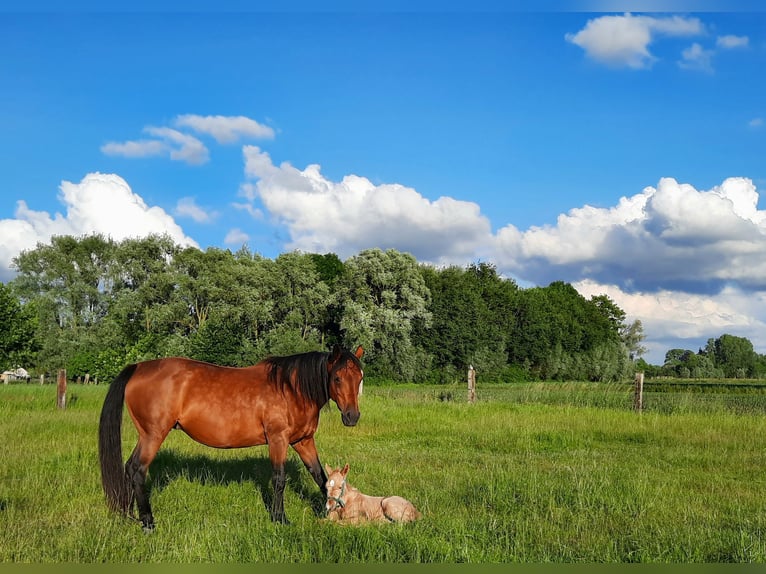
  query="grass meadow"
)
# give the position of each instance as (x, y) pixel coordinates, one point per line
(529, 473)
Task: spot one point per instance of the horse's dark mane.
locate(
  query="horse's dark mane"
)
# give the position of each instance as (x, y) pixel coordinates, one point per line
(311, 376)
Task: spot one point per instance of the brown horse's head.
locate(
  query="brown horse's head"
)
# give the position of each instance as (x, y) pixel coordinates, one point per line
(346, 376)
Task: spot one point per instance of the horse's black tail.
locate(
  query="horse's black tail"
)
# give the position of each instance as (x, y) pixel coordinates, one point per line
(119, 494)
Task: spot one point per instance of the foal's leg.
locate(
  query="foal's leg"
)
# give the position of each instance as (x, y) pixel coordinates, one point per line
(307, 450)
(278, 456)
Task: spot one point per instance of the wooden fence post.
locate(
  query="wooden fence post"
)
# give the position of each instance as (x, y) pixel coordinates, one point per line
(471, 384)
(61, 389)
(42, 378)
(638, 396)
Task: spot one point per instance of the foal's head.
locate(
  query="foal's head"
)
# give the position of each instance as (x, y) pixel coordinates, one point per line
(336, 487)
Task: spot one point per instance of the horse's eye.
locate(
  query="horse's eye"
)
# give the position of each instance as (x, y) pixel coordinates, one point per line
(336, 379)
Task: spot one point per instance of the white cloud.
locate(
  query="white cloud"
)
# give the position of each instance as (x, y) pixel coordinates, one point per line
(755, 123)
(100, 203)
(183, 147)
(695, 57)
(176, 145)
(353, 214)
(623, 41)
(187, 207)
(137, 148)
(225, 129)
(672, 237)
(681, 320)
(236, 237)
(731, 41)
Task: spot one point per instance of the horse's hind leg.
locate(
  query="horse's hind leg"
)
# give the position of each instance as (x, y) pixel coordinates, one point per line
(136, 469)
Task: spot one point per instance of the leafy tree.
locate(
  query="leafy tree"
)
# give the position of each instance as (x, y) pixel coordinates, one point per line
(72, 273)
(735, 356)
(381, 296)
(471, 310)
(143, 285)
(302, 299)
(328, 266)
(67, 284)
(558, 334)
(220, 341)
(649, 370)
(17, 334)
(632, 335)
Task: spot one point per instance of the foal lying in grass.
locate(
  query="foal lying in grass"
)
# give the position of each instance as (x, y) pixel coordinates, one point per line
(345, 503)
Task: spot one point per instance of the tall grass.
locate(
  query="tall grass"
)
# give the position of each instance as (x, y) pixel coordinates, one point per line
(523, 475)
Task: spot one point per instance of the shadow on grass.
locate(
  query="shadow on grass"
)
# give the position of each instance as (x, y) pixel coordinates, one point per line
(169, 466)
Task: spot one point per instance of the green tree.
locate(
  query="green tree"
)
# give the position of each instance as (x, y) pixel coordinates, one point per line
(143, 286)
(471, 322)
(381, 295)
(735, 356)
(558, 334)
(328, 266)
(72, 273)
(302, 299)
(17, 335)
(68, 284)
(632, 335)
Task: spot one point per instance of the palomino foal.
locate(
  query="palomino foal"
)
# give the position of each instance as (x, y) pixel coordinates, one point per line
(346, 504)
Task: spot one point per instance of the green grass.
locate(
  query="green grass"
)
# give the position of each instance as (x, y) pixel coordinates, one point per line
(535, 473)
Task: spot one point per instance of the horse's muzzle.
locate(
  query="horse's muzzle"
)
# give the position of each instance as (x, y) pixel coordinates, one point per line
(350, 418)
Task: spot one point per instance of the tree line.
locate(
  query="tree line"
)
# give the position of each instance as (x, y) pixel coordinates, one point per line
(727, 356)
(91, 305)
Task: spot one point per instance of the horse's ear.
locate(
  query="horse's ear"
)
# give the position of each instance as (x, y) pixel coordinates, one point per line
(335, 354)
(359, 352)
(328, 468)
(344, 472)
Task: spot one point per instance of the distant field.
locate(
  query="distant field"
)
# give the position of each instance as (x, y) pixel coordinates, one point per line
(548, 472)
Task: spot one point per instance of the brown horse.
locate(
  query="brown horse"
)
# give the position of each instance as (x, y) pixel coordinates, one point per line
(275, 402)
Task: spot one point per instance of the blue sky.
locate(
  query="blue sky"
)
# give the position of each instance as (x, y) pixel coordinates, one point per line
(621, 152)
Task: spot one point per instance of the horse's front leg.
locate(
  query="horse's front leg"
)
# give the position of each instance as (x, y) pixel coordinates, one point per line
(278, 456)
(307, 450)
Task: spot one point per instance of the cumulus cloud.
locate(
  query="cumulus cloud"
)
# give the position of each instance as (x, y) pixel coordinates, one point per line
(225, 129)
(176, 145)
(695, 57)
(731, 41)
(236, 237)
(187, 207)
(672, 236)
(137, 148)
(100, 203)
(685, 320)
(181, 146)
(353, 214)
(623, 41)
